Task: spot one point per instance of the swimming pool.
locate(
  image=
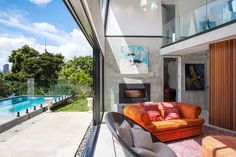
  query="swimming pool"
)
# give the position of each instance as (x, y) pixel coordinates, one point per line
(17, 104)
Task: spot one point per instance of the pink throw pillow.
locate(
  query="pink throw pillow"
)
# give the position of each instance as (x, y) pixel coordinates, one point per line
(171, 111)
(154, 116)
(152, 110)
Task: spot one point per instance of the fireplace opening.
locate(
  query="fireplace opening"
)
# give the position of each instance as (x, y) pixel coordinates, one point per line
(132, 93)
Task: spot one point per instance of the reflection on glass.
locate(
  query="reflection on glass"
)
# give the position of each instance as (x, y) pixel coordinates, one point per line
(202, 18)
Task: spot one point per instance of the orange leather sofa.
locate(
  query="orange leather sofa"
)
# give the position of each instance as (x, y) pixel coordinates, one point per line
(167, 130)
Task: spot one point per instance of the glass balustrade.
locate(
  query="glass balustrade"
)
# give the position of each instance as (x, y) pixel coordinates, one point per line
(207, 16)
(28, 95)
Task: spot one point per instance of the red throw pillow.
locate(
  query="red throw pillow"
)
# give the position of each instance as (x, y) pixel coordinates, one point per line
(152, 110)
(170, 111)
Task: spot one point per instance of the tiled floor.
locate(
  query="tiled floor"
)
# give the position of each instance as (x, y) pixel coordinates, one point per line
(46, 135)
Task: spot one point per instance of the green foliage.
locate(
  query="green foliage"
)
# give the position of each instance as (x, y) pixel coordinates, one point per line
(83, 63)
(79, 72)
(75, 76)
(5, 87)
(29, 63)
(60, 87)
(39, 91)
(82, 95)
(79, 105)
(19, 88)
(18, 57)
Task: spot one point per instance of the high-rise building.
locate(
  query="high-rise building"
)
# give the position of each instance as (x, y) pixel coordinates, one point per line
(5, 69)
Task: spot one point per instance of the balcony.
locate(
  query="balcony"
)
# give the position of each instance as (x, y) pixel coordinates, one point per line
(208, 16)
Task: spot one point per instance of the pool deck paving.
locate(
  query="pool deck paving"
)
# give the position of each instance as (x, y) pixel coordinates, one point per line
(56, 134)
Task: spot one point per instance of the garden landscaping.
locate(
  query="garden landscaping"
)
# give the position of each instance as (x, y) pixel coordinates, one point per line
(77, 105)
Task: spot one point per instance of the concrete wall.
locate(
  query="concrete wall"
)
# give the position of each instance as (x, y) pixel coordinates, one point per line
(112, 71)
(195, 97)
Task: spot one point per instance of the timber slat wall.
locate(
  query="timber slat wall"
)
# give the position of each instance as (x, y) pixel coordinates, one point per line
(222, 104)
(234, 84)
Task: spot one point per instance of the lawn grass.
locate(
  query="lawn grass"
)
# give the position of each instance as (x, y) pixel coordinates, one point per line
(79, 105)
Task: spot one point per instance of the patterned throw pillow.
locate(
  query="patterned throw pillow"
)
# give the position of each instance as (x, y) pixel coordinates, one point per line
(152, 110)
(170, 111)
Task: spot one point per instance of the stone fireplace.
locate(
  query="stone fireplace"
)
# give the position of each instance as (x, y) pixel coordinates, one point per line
(132, 93)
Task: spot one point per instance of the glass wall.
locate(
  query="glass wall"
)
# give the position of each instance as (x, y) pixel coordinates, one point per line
(199, 17)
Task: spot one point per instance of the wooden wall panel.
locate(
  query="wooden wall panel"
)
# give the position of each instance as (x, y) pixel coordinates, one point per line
(234, 84)
(222, 95)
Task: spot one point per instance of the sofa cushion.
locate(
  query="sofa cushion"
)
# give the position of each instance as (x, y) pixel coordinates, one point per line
(142, 139)
(152, 110)
(169, 110)
(177, 124)
(150, 106)
(154, 115)
(125, 133)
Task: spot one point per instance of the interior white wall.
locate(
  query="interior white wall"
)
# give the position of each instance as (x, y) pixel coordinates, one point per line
(126, 17)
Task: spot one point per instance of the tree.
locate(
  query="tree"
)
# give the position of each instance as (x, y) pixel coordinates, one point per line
(85, 63)
(79, 70)
(29, 63)
(5, 86)
(19, 56)
(46, 65)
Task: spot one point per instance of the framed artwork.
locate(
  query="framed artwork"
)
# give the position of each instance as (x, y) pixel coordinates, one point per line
(194, 77)
(133, 60)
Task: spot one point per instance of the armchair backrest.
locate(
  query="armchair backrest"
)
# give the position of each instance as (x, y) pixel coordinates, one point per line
(113, 122)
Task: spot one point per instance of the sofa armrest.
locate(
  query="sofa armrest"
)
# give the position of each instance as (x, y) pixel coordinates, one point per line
(138, 114)
(189, 111)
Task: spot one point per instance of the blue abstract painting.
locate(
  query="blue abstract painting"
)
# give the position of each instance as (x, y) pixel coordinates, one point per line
(133, 60)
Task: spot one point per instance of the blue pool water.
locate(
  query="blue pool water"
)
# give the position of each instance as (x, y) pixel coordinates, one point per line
(16, 104)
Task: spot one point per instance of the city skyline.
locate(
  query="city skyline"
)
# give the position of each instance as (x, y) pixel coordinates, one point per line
(5, 68)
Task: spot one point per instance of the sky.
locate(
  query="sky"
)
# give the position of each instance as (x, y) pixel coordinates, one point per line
(33, 22)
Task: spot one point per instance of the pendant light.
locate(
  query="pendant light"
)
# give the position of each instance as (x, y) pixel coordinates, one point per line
(148, 4)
